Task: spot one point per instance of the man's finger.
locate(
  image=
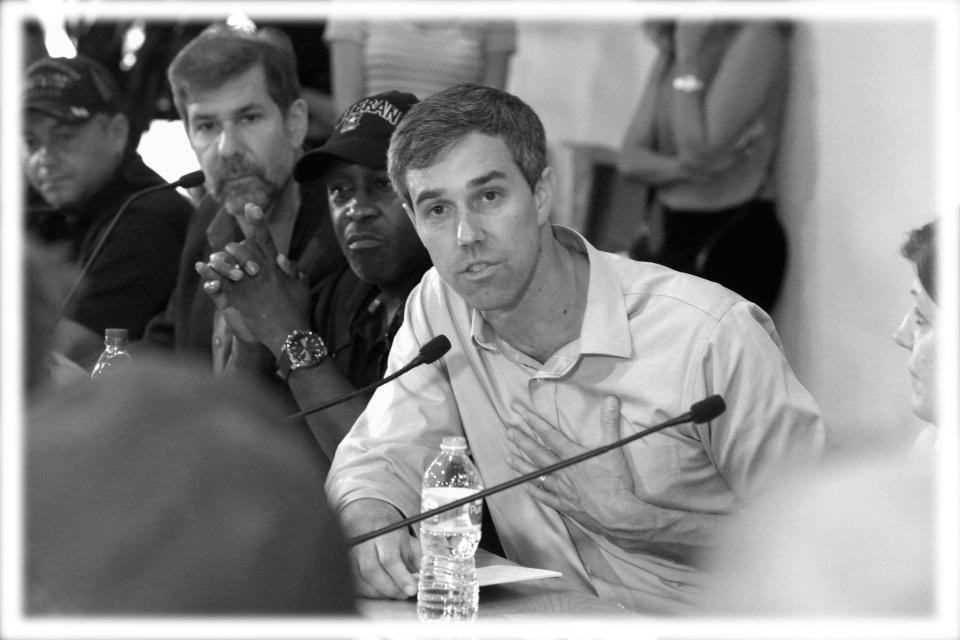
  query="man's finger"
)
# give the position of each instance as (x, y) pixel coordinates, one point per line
(225, 266)
(244, 257)
(552, 438)
(610, 419)
(259, 232)
(392, 562)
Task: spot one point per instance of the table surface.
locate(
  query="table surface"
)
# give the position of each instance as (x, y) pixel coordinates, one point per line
(516, 600)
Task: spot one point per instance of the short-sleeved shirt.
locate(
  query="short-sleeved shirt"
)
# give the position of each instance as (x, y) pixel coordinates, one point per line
(132, 278)
(658, 340)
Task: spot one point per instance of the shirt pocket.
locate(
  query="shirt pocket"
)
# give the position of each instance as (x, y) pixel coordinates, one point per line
(656, 468)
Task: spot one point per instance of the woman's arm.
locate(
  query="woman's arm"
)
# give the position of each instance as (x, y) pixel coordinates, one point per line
(711, 122)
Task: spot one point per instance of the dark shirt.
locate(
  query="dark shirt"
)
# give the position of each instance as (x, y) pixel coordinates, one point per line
(349, 316)
(132, 278)
(187, 324)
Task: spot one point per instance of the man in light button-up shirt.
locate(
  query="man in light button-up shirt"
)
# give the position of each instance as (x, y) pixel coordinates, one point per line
(558, 348)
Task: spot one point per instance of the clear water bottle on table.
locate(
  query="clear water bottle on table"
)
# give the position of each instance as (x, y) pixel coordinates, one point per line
(448, 588)
(114, 355)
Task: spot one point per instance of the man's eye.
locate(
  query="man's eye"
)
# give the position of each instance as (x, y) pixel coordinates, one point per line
(250, 117)
(383, 186)
(437, 210)
(340, 192)
(203, 127)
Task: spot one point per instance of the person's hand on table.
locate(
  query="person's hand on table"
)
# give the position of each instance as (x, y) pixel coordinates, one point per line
(261, 293)
(384, 565)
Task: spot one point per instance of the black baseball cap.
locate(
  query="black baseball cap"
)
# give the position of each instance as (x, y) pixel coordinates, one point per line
(72, 90)
(361, 135)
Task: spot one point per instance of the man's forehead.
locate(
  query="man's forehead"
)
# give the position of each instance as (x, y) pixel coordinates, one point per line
(341, 169)
(243, 91)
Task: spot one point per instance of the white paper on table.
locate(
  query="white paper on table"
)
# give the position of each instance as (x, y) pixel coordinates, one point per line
(504, 573)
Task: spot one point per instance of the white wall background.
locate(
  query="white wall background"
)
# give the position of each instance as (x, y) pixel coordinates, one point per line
(856, 173)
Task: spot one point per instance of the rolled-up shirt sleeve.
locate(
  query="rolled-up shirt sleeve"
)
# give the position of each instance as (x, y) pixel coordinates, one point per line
(386, 452)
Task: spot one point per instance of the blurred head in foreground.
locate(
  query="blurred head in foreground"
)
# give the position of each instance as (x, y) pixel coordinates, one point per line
(165, 491)
(918, 331)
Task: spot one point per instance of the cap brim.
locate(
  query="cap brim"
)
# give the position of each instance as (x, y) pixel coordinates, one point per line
(368, 152)
(56, 110)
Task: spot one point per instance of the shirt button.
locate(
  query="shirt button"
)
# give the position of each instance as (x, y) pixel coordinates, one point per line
(217, 342)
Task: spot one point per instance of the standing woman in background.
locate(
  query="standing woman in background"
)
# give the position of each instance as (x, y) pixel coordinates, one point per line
(704, 138)
(421, 58)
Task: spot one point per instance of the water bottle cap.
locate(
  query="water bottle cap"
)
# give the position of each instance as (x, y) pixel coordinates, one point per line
(453, 442)
(116, 334)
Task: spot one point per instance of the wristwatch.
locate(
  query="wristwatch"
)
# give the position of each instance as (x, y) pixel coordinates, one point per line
(301, 350)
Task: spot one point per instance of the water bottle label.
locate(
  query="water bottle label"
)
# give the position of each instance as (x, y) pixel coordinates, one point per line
(467, 516)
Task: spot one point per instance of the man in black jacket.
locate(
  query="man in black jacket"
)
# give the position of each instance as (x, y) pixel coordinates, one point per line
(77, 160)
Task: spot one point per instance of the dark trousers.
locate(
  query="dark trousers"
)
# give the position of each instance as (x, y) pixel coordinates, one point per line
(743, 248)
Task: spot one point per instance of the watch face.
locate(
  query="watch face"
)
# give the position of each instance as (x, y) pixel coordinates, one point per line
(304, 349)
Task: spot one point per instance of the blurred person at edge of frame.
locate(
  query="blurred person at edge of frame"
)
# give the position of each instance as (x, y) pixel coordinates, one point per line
(857, 538)
(77, 159)
(170, 491)
(918, 331)
(704, 139)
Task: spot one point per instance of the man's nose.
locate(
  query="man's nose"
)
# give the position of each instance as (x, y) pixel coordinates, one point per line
(362, 206)
(230, 142)
(42, 159)
(468, 232)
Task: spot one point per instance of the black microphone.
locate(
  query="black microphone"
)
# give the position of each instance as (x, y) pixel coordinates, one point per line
(187, 181)
(703, 411)
(430, 352)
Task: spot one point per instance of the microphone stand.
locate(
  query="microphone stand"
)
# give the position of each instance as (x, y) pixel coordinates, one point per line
(429, 352)
(356, 392)
(714, 408)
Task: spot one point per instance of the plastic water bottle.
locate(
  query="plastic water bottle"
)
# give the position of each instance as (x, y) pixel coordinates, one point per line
(115, 354)
(449, 589)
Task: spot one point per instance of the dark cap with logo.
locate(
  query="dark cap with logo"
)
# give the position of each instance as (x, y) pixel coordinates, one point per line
(361, 135)
(72, 90)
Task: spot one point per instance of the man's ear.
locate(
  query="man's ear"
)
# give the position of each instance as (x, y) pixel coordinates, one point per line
(297, 122)
(118, 129)
(543, 194)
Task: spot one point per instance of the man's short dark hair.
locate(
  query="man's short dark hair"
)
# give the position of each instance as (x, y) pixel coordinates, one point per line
(920, 248)
(433, 126)
(221, 53)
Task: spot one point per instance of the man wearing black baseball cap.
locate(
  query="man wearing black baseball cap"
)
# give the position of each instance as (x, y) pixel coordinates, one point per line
(339, 341)
(76, 157)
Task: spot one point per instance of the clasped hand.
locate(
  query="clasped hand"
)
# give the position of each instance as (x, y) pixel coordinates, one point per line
(594, 492)
(260, 292)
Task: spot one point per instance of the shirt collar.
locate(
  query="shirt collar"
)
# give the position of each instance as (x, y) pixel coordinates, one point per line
(606, 327)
